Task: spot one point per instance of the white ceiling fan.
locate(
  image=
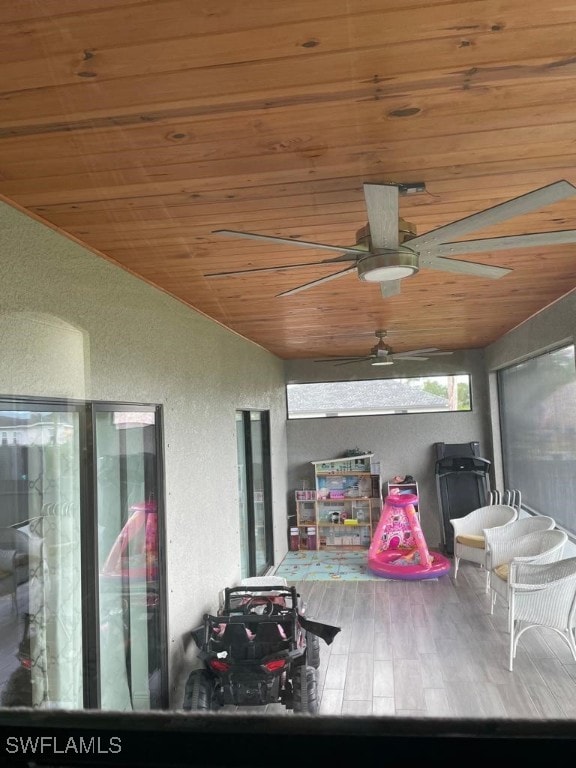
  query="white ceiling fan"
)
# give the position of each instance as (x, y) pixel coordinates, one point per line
(381, 354)
(387, 250)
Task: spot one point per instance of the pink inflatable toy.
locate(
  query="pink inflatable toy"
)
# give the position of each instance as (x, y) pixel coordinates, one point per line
(398, 549)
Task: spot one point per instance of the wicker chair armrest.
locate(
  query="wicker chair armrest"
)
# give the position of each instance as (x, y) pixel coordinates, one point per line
(503, 551)
(534, 575)
(544, 546)
(542, 558)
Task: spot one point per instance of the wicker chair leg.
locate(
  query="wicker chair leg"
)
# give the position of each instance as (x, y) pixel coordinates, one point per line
(572, 641)
(511, 652)
(456, 565)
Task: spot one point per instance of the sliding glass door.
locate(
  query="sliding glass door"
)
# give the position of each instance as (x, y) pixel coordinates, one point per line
(128, 559)
(82, 619)
(254, 484)
(40, 557)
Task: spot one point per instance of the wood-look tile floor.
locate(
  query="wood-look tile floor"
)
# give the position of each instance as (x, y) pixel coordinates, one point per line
(432, 649)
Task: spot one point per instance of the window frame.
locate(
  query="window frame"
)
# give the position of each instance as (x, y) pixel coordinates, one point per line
(376, 412)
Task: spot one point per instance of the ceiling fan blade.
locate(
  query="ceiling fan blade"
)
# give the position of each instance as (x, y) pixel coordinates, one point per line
(355, 360)
(382, 207)
(338, 359)
(427, 351)
(390, 288)
(407, 357)
(463, 267)
(562, 237)
(531, 201)
(314, 283)
(289, 241)
(275, 269)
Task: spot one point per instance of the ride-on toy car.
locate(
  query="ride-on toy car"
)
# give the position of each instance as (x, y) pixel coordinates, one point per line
(259, 649)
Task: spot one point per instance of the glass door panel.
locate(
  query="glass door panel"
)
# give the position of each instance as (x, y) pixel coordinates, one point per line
(128, 557)
(258, 493)
(40, 558)
(252, 433)
(243, 497)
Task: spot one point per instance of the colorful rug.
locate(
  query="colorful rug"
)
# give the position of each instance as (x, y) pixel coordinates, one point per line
(326, 566)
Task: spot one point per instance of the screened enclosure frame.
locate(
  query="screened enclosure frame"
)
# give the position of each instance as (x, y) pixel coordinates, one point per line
(537, 423)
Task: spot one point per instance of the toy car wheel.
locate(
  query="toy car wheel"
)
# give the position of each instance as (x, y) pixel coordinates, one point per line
(199, 691)
(312, 650)
(305, 690)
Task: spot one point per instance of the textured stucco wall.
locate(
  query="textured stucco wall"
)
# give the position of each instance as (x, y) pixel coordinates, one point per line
(402, 443)
(74, 325)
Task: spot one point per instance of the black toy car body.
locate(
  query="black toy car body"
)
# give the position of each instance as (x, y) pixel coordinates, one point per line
(259, 649)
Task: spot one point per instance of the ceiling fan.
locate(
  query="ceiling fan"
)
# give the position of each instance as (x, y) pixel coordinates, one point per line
(387, 249)
(381, 354)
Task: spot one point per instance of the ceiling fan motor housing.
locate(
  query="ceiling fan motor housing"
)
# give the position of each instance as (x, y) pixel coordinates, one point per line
(378, 267)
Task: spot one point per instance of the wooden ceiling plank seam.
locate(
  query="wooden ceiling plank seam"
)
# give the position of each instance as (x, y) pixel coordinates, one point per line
(438, 188)
(169, 19)
(140, 233)
(278, 167)
(249, 150)
(553, 168)
(154, 25)
(503, 59)
(509, 104)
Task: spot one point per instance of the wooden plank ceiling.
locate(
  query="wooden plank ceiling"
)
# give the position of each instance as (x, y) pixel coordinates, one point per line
(138, 127)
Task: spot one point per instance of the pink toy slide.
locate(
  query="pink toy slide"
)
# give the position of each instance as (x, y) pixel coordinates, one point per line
(398, 549)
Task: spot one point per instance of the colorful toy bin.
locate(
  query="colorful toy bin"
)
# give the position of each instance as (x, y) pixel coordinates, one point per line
(398, 549)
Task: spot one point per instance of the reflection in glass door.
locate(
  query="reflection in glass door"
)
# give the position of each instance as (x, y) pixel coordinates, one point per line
(254, 485)
(128, 559)
(40, 554)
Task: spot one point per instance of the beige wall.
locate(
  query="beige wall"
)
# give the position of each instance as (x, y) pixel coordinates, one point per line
(74, 325)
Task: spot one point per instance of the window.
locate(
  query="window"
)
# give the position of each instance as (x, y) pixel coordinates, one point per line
(538, 424)
(425, 394)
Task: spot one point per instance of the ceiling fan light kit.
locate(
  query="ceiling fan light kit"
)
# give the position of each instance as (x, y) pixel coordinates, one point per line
(382, 267)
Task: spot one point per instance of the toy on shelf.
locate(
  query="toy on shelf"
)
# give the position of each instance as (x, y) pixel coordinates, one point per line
(398, 549)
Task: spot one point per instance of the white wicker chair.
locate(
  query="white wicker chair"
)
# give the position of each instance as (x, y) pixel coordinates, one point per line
(536, 547)
(543, 595)
(469, 541)
(519, 527)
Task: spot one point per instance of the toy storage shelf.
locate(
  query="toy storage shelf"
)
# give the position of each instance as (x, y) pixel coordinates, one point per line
(344, 508)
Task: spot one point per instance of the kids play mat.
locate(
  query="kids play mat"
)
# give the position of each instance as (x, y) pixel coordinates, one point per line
(325, 565)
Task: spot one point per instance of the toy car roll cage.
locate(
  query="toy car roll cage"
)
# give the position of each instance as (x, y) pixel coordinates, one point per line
(258, 649)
